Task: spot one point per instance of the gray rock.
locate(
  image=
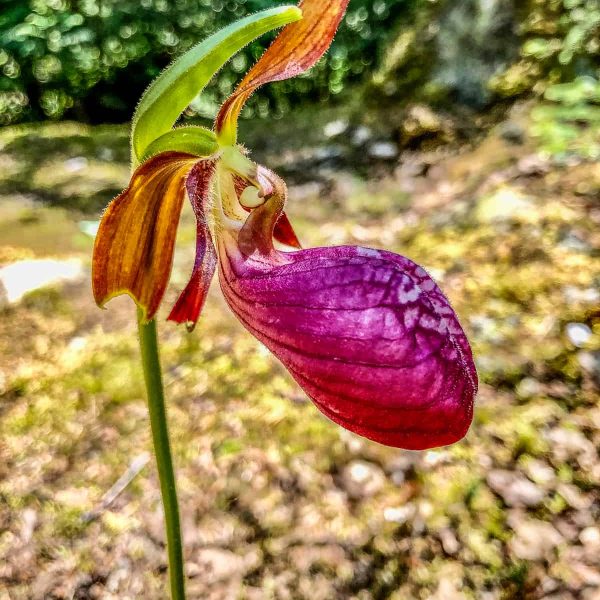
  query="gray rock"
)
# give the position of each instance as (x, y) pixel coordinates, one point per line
(590, 362)
(569, 443)
(335, 128)
(515, 489)
(383, 150)
(362, 479)
(512, 132)
(449, 542)
(579, 334)
(361, 136)
(399, 514)
(534, 540)
(528, 388)
(540, 472)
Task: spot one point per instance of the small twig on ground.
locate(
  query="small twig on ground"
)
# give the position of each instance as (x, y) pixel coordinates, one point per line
(138, 463)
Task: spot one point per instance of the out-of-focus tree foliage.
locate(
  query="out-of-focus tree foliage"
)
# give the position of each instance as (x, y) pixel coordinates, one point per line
(91, 59)
(560, 41)
(477, 51)
(568, 123)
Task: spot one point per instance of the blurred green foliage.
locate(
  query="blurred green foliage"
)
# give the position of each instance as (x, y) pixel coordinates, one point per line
(91, 59)
(568, 124)
(560, 41)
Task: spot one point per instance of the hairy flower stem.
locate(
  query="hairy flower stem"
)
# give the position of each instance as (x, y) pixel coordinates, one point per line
(162, 450)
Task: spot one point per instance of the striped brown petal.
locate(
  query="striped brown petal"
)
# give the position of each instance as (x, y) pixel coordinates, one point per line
(133, 252)
(295, 50)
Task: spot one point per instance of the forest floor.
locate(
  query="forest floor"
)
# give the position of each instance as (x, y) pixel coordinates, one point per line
(277, 502)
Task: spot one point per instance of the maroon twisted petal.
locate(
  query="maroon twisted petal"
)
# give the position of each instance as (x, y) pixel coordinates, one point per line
(366, 333)
(189, 305)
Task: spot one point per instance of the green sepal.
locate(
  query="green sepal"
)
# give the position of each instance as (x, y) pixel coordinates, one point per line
(198, 141)
(173, 90)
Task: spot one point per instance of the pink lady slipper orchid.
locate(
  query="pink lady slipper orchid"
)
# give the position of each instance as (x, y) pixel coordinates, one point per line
(366, 333)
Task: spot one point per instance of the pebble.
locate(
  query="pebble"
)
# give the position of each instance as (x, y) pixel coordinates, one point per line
(589, 361)
(579, 334)
(449, 542)
(399, 514)
(361, 135)
(435, 458)
(583, 576)
(573, 497)
(512, 132)
(573, 242)
(29, 521)
(515, 489)
(540, 472)
(569, 443)
(448, 590)
(335, 128)
(528, 388)
(361, 479)
(383, 150)
(534, 540)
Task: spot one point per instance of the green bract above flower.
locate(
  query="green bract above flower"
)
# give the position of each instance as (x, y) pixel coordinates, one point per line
(173, 90)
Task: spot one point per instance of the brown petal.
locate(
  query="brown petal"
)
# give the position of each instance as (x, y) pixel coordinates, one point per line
(295, 50)
(133, 252)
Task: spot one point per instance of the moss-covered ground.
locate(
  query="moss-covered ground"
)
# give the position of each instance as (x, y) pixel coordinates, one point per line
(277, 502)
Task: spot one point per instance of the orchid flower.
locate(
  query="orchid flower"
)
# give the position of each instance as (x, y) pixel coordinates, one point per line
(366, 333)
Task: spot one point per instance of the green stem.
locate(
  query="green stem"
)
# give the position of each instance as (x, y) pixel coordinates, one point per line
(162, 450)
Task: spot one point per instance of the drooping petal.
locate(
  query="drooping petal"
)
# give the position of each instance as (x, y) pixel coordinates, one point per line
(295, 50)
(366, 333)
(133, 252)
(189, 305)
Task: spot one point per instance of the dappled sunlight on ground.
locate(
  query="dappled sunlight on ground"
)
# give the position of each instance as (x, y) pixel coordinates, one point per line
(277, 502)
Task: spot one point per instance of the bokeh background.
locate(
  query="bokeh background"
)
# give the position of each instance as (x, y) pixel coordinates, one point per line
(464, 134)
